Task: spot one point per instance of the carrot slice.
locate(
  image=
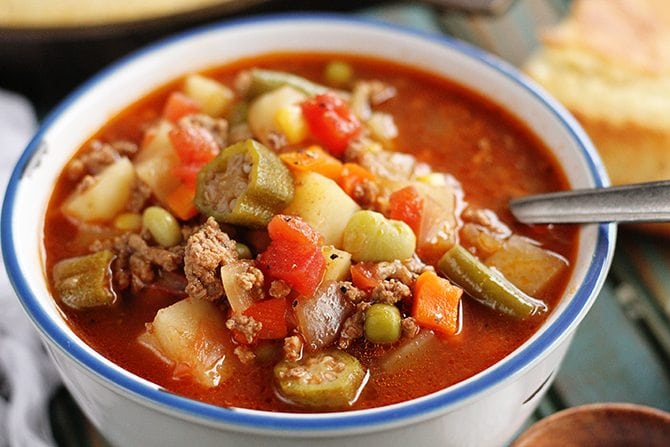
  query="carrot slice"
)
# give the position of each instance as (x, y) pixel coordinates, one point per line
(180, 201)
(314, 159)
(436, 303)
(351, 175)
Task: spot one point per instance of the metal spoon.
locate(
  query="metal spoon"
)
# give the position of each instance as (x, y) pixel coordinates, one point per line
(639, 202)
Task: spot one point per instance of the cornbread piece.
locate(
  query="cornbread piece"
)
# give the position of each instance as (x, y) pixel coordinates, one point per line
(608, 62)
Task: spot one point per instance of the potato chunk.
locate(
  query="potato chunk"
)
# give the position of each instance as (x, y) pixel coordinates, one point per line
(322, 204)
(529, 267)
(156, 161)
(263, 110)
(106, 197)
(338, 263)
(193, 336)
(214, 97)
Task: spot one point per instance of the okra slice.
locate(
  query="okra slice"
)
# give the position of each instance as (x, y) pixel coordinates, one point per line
(487, 285)
(246, 184)
(85, 281)
(263, 81)
(330, 379)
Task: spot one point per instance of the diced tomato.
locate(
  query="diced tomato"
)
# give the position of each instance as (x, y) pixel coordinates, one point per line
(193, 144)
(272, 315)
(331, 122)
(188, 174)
(301, 266)
(178, 105)
(294, 254)
(406, 204)
(293, 229)
(364, 276)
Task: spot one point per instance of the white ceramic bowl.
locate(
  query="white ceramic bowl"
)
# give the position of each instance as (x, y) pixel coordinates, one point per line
(485, 410)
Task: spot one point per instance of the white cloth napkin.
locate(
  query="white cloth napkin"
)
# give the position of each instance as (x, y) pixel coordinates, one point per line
(27, 375)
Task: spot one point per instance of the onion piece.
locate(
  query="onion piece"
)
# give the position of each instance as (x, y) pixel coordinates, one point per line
(320, 316)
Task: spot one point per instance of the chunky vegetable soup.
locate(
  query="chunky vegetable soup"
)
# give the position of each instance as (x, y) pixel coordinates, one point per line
(305, 232)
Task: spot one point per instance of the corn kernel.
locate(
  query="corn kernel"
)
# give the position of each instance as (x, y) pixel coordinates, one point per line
(128, 222)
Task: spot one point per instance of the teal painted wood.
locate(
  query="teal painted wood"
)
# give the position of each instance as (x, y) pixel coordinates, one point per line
(611, 358)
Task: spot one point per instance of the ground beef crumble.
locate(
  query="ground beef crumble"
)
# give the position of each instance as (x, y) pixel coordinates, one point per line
(136, 262)
(250, 279)
(293, 347)
(405, 271)
(352, 329)
(244, 354)
(390, 291)
(245, 325)
(410, 328)
(279, 289)
(216, 127)
(207, 249)
(351, 292)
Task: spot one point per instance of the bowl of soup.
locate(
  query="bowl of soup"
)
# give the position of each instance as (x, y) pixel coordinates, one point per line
(293, 230)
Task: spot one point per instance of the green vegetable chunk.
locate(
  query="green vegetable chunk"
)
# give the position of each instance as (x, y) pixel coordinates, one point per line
(487, 285)
(331, 379)
(85, 281)
(369, 236)
(246, 184)
(263, 81)
(382, 323)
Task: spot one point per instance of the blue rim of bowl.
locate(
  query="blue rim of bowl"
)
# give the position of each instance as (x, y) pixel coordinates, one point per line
(322, 422)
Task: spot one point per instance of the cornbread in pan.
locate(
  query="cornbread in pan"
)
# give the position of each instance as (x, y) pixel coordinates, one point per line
(58, 13)
(608, 62)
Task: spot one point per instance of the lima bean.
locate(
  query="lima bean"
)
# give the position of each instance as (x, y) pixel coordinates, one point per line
(369, 236)
(162, 225)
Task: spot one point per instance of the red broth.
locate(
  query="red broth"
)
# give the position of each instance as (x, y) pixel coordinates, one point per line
(494, 157)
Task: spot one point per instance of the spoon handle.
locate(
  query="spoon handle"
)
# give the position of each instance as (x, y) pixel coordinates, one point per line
(639, 202)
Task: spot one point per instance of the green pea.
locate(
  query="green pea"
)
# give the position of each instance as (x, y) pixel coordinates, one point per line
(369, 236)
(162, 225)
(243, 251)
(382, 323)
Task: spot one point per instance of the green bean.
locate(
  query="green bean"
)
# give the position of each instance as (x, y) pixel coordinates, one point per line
(382, 323)
(263, 81)
(162, 225)
(238, 113)
(487, 285)
(369, 236)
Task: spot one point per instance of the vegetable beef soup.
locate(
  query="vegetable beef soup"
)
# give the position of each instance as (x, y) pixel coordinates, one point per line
(306, 232)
